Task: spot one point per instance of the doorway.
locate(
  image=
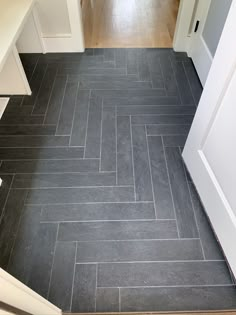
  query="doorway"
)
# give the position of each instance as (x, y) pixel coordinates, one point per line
(133, 23)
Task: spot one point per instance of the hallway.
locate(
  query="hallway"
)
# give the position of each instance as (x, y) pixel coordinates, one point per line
(98, 212)
(129, 23)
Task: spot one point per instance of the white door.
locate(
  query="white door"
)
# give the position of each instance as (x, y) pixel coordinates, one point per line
(210, 151)
(208, 23)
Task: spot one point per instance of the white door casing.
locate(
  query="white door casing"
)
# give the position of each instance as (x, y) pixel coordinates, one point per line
(210, 150)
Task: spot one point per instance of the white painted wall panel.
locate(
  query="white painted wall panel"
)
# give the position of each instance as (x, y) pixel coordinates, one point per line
(54, 18)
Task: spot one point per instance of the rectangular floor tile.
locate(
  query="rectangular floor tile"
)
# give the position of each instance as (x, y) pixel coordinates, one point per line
(130, 251)
(168, 76)
(84, 290)
(174, 140)
(121, 58)
(50, 166)
(42, 259)
(183, 206)
(115, 85)
(45, 90)
(75, 195)
(194, 81)
(107, 300)
(4, 190)
(55, 101)
(158, 130)
(21, 258)
(143, 69)
(33, 141)
(108, 144)
(63, 180)
(80, 119)
(141, 100)
(92, 149)
(177, 299)
(155, 110)
(67, 110)
(160, 179)
(41, 153)
(62, 275)
(132, 61)
(161, 119)
(98, 211)
(9, 224)
(142, 176)
(129, 93)
(21, 120)
(163, 274)
(125, 174)
(34, 130)
(124, 230)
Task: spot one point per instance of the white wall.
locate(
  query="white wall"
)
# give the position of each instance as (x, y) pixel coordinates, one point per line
(54, 18)
(215, 22)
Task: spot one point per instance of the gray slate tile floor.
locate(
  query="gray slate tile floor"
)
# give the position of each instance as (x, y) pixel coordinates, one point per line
(97, 210)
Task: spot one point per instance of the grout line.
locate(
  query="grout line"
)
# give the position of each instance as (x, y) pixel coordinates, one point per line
(132, 154)
(54, 252)
(62, 102)
(9, 190)
(132, 240)
(150, 170)
(71, 187)
(116, 132)
(96, 285)
(101, 135)
(150, 262)
(119, 300)
(73, 278)
(190, 85)
(171, 192)
(94, 221)
(99, 202)
(86, 133)
(75, 108)
(172, 286)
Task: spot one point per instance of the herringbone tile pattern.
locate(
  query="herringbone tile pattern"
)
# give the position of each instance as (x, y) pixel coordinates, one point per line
(98, 212)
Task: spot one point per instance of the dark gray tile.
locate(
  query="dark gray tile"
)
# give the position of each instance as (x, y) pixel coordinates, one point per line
(129, 93)
(29, 62)
(67, 110)
(84, 290)
(76, 195)
(142, 176)
(98, 211)
(91, 71)
(45, 90)
(34, 130)
(124, 152)
(107, 300)
(55, 101)
(80, 119)
(92, 149)
(20, 262)
(178, 299)
(158, 130)
(160, 180)
(40, 153)
(143, 69)
(4, 190)
(182, 201)
(163, 274)
(132, 61)
(50, 166)
(114, 85)
(121, 57)
(35, 84)
(194, 81)
(174, 140)
(108, 144)
(161, 119)
(9, 224)
(155, 110)
(104, 78)
(42, 259)
(119, 230)
(62, 275)
(63, 180)
(140, 100)
(211, 247)
(168, 76)
(155, 69)
(21, 120)
(183, 84)
(130, 251)
(60, 57)
(33, 141)
(109, 54)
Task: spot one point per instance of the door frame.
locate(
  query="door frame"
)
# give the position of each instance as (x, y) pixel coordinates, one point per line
(216, 88)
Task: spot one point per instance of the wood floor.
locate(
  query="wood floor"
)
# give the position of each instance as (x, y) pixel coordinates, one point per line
(129, 23)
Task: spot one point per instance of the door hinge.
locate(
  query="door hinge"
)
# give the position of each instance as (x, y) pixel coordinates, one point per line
(196, 26)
